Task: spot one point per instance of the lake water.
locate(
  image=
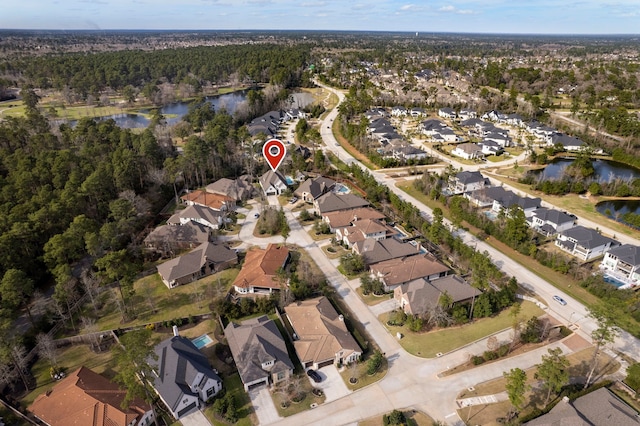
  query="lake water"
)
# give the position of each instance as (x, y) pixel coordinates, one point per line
(230, 102)
(618, 208)
(606, 170)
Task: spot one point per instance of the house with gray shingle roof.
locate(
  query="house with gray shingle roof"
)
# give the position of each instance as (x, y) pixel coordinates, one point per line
(273, 183)
(197, 213)
(466, 181)
(183, 378)
(375, 251)
(259, 351)
(312, 188)
(569, 143)
(598, 408)
(550, 221)
(623, 263)
(168, 238)
(418, 295)
(204, 260)
(332, 202)
(584, 243)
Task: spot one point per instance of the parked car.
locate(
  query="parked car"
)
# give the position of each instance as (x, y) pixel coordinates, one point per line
(257, 215)
(293, 200)
(560, 300)
(314, 376)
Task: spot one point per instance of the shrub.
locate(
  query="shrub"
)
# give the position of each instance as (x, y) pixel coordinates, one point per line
(477, 360)
(374, 363)
(489, 355)
(503, 350)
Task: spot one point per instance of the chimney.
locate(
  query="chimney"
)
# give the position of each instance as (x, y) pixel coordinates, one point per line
(565, 399)
(175, 331)
(341, 317)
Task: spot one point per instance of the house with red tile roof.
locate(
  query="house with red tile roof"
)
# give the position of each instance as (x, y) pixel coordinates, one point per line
(260, 269)
(86, 398)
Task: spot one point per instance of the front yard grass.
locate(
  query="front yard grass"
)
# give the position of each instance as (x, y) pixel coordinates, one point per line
(336, 251)
(371, 299)
(414, 418)
(428, 344)
(360, 373)
(179, 302)
(246, 414)
(292, 407)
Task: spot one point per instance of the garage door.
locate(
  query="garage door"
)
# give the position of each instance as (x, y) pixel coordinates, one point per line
(325, 363)
(257, 385)
(186, 409)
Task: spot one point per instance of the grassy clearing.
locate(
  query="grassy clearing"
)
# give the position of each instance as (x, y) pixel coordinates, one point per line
(179, 302)
(359, 371)
(70, 359)
(318, 237)
(414, 418)
(246, 415)
(487, 414)
(371, 299)
(427, 345)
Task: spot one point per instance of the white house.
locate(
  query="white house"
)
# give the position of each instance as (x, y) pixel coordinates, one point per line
(183, 378)
(273, 183)
(584, 243)
(467, 181)
(399, 111)
(623, 263)
(569, 143)
(466, 114)
(468, 151)
(550, 221)
(446, 112)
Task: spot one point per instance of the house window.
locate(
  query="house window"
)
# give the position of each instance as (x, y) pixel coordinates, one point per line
(281, 376)
(210, 392)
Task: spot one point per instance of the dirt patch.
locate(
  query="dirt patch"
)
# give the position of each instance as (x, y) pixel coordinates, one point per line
(576, 343)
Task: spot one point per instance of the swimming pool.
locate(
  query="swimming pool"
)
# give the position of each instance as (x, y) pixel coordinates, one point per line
(202, 341)
(289, 180)
(614, 281)
(341, 189)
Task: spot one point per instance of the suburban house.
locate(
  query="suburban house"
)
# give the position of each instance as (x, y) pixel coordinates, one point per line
(260, 269)
(584, 243)
(203, 215)
(569, 143)
(486, 196)
(417, 112)
(267, 124)
(466, 114)
(398, 111)
(514, 120)
(320, 336)
(466, 182)
(449, 113)
(341, 218)
(183, 378)
(501, 138)
(313, 188)
(600, 407)
(86, 398)
(550, 221)
(204, 260)
(375, 251)
(418, 295)
(494, 115)
(259, 351)
(206, 199)
(239, 189)
(406, 152)
(273, 183)
(363, 229)
(509, 199)
(431, 126)
(169, 238)
(395, 272)
(332, 202)
(445, 134)
(623, 264)
(490, 147)
(468, 151)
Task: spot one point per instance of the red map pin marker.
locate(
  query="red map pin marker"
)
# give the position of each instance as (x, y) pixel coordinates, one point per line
(274, 151)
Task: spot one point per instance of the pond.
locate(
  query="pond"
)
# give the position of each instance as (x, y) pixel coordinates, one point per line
(605, 170)
(176, 110)
(616, 209)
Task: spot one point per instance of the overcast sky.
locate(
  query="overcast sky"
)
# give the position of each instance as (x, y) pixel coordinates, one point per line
(487, 16)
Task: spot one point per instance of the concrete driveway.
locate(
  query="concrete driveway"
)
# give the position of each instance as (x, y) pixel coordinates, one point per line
(263, 406)
(332, 384)
(387, 306)
(197, 418)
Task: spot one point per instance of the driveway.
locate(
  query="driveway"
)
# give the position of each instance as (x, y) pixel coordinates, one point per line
(387, 306)
(332, 384)
(197, 418)
(263, 405)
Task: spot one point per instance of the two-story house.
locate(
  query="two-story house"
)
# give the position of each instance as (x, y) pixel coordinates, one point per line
(623, 264)
(550, 221)
(584, 243)
(467, 181)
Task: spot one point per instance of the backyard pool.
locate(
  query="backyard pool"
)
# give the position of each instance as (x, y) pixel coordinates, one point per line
(614, 281)
(341, 189)
(289, 180)
(202, 341)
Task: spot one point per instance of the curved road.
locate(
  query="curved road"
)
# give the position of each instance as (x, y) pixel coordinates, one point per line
(413, 382)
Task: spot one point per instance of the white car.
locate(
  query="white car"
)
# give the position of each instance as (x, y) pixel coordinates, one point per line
(560, 300)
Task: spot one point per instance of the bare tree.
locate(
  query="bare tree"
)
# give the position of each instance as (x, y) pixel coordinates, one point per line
(47, 348)
(198, 297)
(18, 355)
(91, 286)
(492, 343)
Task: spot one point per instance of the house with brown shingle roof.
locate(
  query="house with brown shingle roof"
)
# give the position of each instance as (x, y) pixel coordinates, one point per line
(400, 271)
(86, 398)
(202, 198)
(342, 218)
(363, 229)
(239, 189)
(168, 238)
(320, 335)
(332, 202)
(197, 213)
(260, 269)
(416, 296)
(204, 260)
(313, 188)
(259, 351)
(375, 251)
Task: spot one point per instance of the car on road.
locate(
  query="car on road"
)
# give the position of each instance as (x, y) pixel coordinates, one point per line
(314, 376)
(293, 200)
(560, 300)
(257, 215)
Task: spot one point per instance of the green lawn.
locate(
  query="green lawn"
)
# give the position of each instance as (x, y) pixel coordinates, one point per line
(427, 345)
(246, 415)
(292, 408)
(179, 302)
(360, 373)
(371, 299)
